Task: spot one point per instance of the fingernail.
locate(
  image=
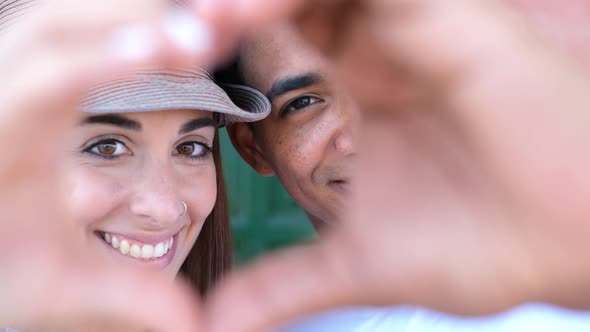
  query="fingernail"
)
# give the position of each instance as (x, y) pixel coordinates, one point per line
(188, 32)
(134, 42)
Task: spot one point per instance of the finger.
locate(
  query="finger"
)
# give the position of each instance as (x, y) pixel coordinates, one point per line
(59, 290)
(231, 20)
(51, 22)
(246, 14)
(138, 300)
(285, 286)
(59, 16)
(181, 31)
(177, 39)
(58, 24)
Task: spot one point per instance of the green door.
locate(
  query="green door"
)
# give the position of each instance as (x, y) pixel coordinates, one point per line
(263, 215)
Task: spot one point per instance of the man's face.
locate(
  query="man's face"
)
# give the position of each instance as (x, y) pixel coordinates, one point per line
(307, 140)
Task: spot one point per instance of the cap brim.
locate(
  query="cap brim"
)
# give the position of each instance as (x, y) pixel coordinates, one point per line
(172, 90)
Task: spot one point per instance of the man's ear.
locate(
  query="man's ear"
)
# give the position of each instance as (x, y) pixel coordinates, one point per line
(243, 140)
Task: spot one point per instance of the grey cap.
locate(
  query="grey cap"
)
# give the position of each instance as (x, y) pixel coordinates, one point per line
(11, 11)
(162, 89)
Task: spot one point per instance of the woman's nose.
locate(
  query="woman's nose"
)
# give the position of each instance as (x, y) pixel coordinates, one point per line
(157, 201)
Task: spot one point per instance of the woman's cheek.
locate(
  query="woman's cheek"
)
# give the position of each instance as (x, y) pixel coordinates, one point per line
(202, 193)
(91, 196)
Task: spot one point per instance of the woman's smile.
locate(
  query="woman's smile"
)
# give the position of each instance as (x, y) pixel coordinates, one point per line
(156, 251)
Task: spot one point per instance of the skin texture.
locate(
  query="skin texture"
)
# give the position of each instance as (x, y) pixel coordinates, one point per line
(308, 140)
(138, 193)
(522, 231)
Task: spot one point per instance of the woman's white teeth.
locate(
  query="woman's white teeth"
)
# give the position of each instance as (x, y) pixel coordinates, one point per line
(135, 251)
(159, 249)
(145, 251)
(115, 242)
(124, 248)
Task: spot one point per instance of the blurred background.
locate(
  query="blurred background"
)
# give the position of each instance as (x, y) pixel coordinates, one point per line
(263, 215)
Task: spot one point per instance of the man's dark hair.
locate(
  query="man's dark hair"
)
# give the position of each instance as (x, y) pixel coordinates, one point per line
(229, 73)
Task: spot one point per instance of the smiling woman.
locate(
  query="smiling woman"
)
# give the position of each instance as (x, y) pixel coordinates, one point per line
(144, 172)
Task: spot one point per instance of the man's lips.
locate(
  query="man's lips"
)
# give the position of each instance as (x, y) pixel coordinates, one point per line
(339, 184)
(338, 181)
(339, 175)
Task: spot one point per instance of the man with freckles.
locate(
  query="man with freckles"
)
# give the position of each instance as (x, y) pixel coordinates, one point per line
(308, 142)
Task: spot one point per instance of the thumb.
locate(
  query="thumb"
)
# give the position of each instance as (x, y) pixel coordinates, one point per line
(284, 286)
(124, 296)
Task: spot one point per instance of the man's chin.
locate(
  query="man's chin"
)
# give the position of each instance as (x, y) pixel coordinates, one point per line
(334, 211)
(322, 225)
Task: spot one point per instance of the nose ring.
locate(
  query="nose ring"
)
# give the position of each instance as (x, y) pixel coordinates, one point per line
(184, 208)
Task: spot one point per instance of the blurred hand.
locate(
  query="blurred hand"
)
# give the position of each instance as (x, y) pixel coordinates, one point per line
(473, 180)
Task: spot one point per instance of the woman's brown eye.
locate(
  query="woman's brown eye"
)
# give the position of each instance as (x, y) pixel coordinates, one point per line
(186, 149)
(107, 149)
(192, 150)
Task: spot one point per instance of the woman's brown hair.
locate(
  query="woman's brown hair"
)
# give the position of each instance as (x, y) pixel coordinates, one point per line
(210, 257)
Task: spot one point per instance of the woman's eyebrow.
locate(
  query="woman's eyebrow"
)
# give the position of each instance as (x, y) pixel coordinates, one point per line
(195, 124)
(114, 120)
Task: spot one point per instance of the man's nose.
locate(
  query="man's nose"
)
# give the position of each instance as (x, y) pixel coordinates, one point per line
(343, 142)
(157, 199)
(345, 136)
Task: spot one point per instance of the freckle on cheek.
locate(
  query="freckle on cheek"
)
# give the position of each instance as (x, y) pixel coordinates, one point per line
(115, 188)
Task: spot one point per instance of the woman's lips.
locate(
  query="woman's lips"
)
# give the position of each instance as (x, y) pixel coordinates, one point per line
(158, 253)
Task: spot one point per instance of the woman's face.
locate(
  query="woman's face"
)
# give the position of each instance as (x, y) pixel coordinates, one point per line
(128, 175)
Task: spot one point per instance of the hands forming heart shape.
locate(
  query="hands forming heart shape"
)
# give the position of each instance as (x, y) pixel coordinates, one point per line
(470, 195)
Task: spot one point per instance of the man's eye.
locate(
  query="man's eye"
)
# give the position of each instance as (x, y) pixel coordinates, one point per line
(300, 103)
(192, 150)
(110, 148)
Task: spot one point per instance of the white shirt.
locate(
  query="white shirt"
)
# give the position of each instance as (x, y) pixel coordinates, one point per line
(533, 318)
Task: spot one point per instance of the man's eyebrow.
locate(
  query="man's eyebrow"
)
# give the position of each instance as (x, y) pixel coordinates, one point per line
(195, 124)
(114, 120)
(292, 83)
